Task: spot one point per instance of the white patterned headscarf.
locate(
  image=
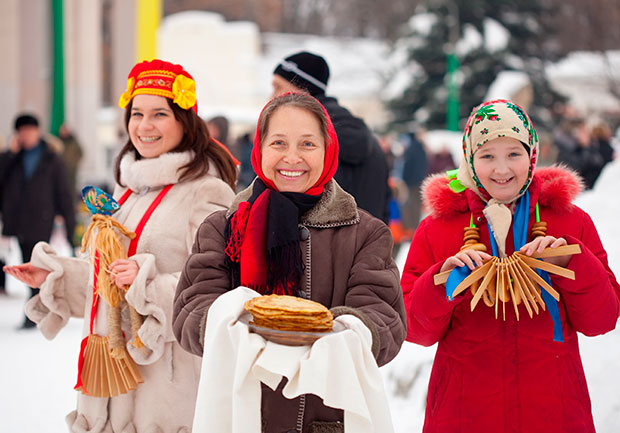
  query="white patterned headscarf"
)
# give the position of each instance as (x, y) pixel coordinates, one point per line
(490, 120)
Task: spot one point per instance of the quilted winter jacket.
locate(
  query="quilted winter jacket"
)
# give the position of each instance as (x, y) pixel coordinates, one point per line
(165, 401)
(348, 256)
(491, 375)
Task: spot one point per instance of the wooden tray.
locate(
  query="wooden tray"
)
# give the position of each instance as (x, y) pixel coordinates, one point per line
(287, 338)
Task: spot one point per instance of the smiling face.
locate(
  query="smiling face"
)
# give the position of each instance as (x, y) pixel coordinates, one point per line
(293, 149)
(502, 166)
(153, 129)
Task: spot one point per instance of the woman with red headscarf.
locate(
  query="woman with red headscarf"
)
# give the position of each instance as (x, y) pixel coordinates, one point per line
(294, 231)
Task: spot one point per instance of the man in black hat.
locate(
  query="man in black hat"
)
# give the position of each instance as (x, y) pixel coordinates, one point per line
(362, 168)
(34, 188)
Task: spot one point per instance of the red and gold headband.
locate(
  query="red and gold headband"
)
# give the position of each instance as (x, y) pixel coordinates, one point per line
(161, 78)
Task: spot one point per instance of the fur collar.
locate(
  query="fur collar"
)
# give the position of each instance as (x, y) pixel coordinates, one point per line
(146, 173)
(554, 187)
(336, 207)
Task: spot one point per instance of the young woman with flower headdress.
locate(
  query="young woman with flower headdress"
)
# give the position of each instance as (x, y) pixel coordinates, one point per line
(169, 175)
(294, 232)
(504, 368)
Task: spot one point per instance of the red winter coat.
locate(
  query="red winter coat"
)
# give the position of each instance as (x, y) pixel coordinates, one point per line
(491, 375)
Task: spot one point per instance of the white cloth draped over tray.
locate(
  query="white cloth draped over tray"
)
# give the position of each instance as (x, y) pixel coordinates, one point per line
(339, 368)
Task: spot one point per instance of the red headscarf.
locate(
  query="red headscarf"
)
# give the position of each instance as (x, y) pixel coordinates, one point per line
(330, 163)
(250, 236)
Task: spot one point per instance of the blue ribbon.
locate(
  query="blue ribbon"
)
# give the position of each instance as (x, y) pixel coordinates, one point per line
(455, 277)
(552, 307)
(520, 223)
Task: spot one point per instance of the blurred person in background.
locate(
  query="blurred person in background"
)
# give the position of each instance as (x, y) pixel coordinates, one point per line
(441, 161)
(578, 151)
(564, 139)
(4, 248)
(548, 151)
(601, 136)
(72, 155)
(385, 142)
(398, 195)
(415, 168)
(246, 172)
(362, 167)
(34, 189)
(218, 128)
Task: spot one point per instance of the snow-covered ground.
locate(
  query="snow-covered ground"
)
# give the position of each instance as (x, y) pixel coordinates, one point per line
(38, 375)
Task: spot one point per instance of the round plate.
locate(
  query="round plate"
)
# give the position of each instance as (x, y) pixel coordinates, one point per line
(288, 338)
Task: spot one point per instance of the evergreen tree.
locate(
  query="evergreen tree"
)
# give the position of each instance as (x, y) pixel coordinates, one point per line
(489, 36)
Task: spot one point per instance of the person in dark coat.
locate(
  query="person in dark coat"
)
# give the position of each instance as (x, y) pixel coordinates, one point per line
(415, 168)
(362, 167)
(581, 153)
(2, 278)
(246, 172)
(601, 136)
(34, 189)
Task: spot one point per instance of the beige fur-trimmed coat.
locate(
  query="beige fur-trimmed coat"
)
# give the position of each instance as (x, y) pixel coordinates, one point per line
(164, 403)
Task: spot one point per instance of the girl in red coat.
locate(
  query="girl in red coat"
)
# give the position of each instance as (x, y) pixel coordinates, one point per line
(504, 374)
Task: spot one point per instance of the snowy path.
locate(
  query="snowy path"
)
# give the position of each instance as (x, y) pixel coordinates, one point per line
(37, 375)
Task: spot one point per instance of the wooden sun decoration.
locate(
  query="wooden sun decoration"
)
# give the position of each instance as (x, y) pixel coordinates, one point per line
(511, 278)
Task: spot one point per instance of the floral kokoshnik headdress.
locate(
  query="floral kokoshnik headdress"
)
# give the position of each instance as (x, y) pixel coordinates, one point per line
(161, 78)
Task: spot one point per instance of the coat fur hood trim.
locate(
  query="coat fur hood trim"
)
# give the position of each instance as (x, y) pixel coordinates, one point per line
(335, 208)
(146, 173)
(555, 187)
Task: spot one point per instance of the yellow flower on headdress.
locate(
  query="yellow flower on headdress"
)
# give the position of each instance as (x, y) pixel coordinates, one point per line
(127, 94)
(184, 91)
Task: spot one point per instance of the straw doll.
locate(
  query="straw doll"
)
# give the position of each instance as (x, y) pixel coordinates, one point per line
(107, 369)
(500, 367)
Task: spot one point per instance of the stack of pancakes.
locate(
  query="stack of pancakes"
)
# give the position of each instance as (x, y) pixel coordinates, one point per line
(289, 313)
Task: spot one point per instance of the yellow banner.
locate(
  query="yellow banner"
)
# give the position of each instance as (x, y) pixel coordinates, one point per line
(148, 17)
